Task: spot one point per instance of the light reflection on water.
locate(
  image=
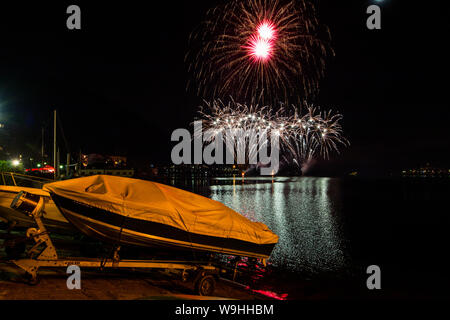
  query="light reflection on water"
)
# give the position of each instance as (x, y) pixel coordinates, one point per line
(304, 212)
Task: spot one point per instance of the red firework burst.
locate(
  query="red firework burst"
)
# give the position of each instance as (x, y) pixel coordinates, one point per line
(261, 44)
(267, 31)
(259, 50)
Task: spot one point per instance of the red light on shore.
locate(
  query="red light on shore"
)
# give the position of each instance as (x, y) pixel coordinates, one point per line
(45, 169)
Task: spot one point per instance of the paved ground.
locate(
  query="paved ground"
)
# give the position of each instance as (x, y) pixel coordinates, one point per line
(101, 286)
(108, 285)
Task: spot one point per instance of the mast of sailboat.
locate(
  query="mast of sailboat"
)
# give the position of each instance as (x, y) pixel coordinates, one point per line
(54, 146)
(42, 146)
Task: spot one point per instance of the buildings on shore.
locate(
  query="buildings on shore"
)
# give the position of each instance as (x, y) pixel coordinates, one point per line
(87, 165)
(200, 171)
(129, 173)
(94, 164)
(426, 171)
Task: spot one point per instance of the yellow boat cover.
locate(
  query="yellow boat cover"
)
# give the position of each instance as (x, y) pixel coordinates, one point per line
(160, 203)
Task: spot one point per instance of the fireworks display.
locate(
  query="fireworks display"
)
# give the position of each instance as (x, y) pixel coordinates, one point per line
(266, 53)
(262, 51)
(314, 134)
(261, 45)
(303, 136)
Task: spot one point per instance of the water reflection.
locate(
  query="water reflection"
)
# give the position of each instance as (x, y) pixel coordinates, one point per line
(305, 213)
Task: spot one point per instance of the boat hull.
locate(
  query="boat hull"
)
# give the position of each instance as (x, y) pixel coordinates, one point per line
(118, 229)
(52, 217)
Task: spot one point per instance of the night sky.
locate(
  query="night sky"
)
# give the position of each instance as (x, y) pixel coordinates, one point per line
(120, 83)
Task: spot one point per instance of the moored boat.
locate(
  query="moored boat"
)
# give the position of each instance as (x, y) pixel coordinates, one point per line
(52, 217)
(144, 213)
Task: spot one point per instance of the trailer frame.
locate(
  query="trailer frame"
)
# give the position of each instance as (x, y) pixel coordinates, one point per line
(202, 274)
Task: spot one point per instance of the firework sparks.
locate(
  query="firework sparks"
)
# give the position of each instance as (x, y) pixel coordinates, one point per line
(266, 30)
(259, 50)
(315, 134)
(303, 137)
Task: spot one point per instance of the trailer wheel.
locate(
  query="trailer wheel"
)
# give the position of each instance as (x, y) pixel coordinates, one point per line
(205, 285)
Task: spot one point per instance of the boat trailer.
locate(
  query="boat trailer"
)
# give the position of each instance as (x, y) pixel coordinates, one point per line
(43, 254)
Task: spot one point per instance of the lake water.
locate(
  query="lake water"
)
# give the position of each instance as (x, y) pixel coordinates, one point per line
(305, 213)
(341, 226)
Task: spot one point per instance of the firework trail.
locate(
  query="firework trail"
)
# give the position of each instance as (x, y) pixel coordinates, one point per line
(303, 136)
(259, 50)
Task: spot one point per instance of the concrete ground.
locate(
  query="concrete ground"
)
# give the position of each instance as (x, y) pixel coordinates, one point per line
(103, 285)
(96, 285)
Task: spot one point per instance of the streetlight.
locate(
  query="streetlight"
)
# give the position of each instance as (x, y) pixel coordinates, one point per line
(15, 162)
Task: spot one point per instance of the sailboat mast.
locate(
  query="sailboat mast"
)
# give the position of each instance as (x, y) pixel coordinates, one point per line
(42, 146)
(54, 145)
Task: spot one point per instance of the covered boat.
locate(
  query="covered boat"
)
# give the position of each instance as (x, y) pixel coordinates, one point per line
(52, 218)
(144, 213)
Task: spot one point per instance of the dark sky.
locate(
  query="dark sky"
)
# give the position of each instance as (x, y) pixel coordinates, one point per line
(120, 82)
